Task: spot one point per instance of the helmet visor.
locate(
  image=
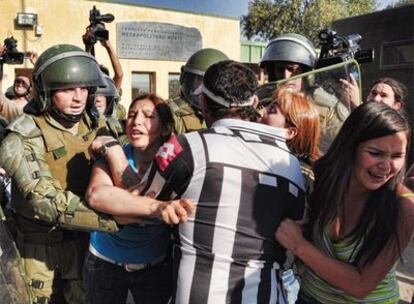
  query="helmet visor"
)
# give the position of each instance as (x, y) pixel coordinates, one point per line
(189, 83)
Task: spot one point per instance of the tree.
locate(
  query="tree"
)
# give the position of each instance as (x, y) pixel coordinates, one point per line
(269, 18)
(399, 3)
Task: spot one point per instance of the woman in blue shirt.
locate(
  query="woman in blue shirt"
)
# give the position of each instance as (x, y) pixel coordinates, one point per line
(137, 257)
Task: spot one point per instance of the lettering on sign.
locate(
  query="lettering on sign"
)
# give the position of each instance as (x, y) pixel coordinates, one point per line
(155, 40)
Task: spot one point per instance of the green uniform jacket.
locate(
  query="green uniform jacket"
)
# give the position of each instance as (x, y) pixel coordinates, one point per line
(185, 118)
(50, 169)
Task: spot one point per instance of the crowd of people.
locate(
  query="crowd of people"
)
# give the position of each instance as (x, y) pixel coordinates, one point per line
(215, 196)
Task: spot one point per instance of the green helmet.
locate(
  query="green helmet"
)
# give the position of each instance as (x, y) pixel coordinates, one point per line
(111, 94)
(289, 48)
(193, 71)
(64, 66)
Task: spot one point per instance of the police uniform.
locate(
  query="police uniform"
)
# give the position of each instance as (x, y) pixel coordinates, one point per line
(184, 107)
(50, 168)
(332, 114)
(186, 119)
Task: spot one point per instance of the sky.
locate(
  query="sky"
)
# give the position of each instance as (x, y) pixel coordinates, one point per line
(228, 8)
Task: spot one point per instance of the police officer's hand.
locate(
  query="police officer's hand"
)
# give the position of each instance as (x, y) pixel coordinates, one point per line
(350, 91)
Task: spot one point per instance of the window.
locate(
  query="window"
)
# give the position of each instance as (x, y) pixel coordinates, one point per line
(142, 83)
(397, 54)
(173, 85)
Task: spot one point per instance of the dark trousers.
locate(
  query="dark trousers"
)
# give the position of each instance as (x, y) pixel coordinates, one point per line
(109, 283)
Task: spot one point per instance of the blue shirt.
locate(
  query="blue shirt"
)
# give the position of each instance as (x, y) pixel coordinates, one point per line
(133, 243)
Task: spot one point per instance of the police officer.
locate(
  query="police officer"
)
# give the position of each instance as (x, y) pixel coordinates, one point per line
(106, 97)
(106, 102)
(292, 54)
(46, 154)
(186, 107)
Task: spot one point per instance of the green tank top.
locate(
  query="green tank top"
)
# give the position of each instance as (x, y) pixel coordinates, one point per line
(312, 285)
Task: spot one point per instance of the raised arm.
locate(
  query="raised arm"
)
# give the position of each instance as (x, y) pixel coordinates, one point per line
(116, 64)
(105, 197)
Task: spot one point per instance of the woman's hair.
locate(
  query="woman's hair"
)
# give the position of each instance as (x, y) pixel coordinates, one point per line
(378, 223)
(399, 89)
(300, 112)
(164, 113)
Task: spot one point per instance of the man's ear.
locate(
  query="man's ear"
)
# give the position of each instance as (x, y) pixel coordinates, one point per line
(255, 101)
(291, 132)
(397, 105)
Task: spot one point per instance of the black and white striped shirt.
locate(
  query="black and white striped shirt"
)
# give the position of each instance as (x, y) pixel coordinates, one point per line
(244, 181)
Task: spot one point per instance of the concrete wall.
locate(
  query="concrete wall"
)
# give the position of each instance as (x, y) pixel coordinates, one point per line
(64, 21)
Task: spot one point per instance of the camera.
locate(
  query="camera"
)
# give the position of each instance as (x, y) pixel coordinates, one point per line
(336, 49)
(11, 54)
(96, 29)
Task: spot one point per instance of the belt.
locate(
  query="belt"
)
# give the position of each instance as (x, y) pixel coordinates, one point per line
(127, 266)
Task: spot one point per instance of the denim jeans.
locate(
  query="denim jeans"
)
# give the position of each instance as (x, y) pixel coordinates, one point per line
(109, 283)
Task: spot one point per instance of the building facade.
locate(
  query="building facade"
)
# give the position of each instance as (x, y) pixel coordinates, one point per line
(152, 43)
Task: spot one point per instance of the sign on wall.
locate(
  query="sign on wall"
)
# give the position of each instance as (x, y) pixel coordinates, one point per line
(155, 40)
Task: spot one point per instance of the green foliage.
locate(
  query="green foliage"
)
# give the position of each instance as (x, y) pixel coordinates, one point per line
(399, 3)
(269, 18)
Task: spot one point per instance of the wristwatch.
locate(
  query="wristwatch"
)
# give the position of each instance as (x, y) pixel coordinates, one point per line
(103, 150)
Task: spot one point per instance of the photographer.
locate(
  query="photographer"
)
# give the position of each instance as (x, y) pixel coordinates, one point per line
(96, 32)
(17, 96)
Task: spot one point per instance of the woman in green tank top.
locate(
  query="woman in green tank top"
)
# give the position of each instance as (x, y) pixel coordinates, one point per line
(361, 216)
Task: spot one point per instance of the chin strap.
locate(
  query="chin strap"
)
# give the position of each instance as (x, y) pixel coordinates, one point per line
(68, 118)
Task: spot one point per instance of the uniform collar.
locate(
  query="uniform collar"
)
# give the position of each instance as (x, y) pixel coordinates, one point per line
(232, 123)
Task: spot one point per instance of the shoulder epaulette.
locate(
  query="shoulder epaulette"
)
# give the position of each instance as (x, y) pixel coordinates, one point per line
(25, 126)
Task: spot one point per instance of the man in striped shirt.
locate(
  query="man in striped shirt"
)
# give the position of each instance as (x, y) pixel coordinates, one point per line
(244, 181)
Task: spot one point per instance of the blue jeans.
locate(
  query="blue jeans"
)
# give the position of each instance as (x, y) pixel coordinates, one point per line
(109, 283)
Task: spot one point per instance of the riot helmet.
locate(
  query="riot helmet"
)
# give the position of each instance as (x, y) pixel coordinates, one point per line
(192, 73)
(289, 48)
(111, 94)
(65, 66)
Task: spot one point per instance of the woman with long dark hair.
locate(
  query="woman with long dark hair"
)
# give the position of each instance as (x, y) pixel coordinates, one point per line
(137, 258)
(361, 216)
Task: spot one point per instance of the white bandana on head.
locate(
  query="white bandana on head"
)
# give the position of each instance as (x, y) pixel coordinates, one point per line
(221, 100)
